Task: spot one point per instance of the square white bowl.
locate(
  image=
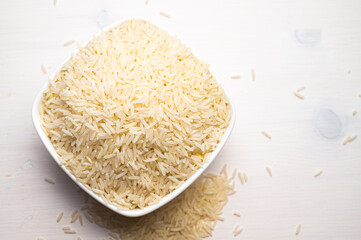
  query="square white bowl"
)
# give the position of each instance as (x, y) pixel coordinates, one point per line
(128, 213)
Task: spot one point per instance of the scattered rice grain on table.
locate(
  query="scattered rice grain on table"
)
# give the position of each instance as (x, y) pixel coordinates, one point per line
(192, 215)
(60, 216)
(49, 180)
(43, 68)
(253, 73)
(69, 43)
(245, 177)
(240, 176)
(298, 229)
(234, 174)
(349, 139)
(267, 135)
(128, 123)
(80, 220)
(269, 171)
(164, 14)
(74, 218)
(236, 213)
(354, 113)
(235, 77)
(318, 174)
(237, 230)
(299, 95)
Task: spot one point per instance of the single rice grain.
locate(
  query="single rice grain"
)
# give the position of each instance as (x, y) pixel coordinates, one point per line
(43, 68)
(245, 177)
(266, 135)
(236, 213)
(299, 96)
(49, 180)
(298, 229)
(269, 171)
(240, 176)
(318, 174)
(60, 216)
(69, 43)
(164, 14)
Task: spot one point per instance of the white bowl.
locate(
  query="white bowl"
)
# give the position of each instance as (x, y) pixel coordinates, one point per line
(134, 212)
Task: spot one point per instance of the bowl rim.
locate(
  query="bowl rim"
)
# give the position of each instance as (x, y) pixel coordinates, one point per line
(134, 212)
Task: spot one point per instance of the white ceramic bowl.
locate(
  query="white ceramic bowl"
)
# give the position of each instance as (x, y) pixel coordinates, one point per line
(134, 212)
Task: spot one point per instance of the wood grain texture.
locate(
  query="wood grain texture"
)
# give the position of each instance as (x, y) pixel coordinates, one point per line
(288, 43)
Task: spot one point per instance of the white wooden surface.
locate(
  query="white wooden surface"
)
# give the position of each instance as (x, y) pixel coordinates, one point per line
(289, 43)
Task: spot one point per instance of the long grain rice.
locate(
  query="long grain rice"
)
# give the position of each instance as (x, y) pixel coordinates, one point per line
(236, 213)
(192, 215)
(235, 77)
(164, 14)
(69, 43)
(60, 216)
(299, 95)
(253, 73)
(269, 171)
(133, 113)
(245, 177)
(349, 139)
(43, 68)
(354, 113)
(298, 229)
(266, 135)
(240, 176)
(237, 230)
(49, 180)
(318, 174)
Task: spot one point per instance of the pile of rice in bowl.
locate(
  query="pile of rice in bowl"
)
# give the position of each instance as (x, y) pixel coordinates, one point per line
(134, 114)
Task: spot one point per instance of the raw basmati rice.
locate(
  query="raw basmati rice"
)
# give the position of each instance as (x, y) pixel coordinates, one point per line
(69, 43)
(354, 113)
(349, 139)
(58, 219)
(298, 229)
(43, 68)
(266, 135)
(240, 176)
(192, 215)
(253, 74)
(49, 180)
(164, 14)
(299, 96)
(237, 230)
(269, 171)
(236, 213)
(130, 110)
(235, 77)
(318, 174)
(80, 220)
(245, 177)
